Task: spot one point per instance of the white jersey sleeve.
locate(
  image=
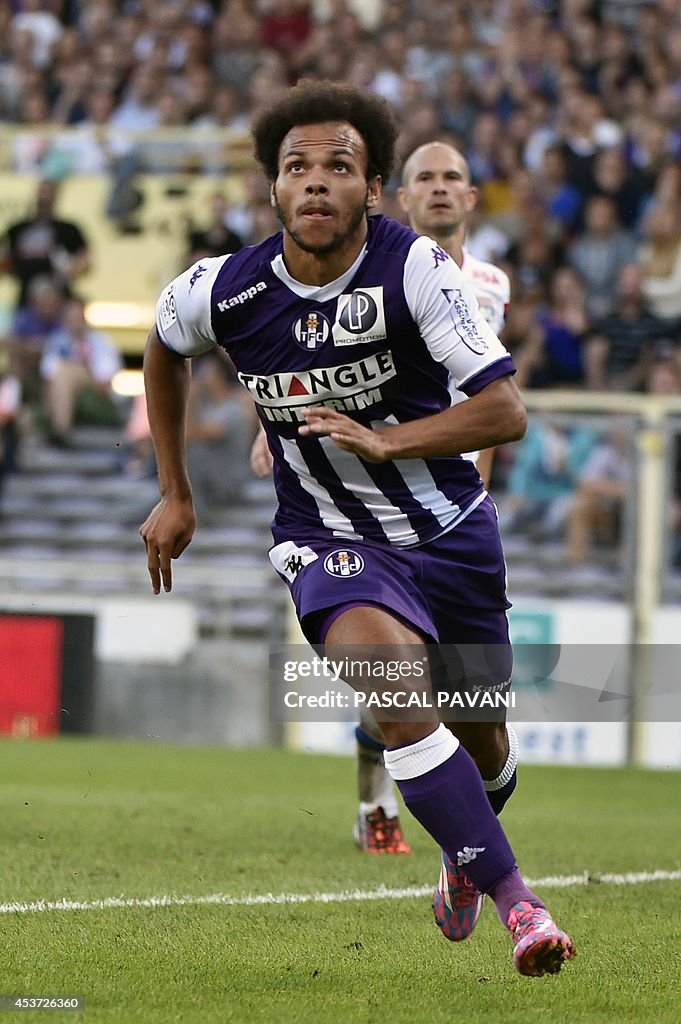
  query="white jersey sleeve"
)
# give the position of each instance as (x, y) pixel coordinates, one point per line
(444, 307)
(183, 310)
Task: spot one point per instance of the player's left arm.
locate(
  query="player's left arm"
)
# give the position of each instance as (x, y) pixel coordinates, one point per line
(493, 416)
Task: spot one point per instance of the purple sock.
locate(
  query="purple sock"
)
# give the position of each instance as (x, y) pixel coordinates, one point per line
(510, 890)
(451, 804)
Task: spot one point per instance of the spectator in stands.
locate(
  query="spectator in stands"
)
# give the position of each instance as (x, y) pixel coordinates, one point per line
(286, 26)
(138, 459)
(538, 252)
(602, 486)
(78, 366)
(139, 111)
(236, 51)
(32, 325)
(562, 200)
(600, 253)
(544, 477)
(617, 354)
(661, 262)
(625, 187)
(552, 355)
(221, 425)
(217, 238)
(93, 148)
(43, 245)
(42, 25)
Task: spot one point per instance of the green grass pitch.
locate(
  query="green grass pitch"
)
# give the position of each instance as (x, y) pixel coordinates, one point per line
(86, 820)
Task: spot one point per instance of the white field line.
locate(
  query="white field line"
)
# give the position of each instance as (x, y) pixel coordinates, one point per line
(345, 896)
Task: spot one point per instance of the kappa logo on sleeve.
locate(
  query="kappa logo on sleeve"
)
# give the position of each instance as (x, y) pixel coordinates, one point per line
(439, 255)
(464, 323)
(199, 272)
(167, 313)
(360, 317)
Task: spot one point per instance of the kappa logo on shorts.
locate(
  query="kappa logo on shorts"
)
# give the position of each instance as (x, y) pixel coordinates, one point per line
(360, 317)
(344, 563)
(289, 559)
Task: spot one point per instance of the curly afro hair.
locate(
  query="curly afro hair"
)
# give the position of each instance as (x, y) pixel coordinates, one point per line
(313, 102)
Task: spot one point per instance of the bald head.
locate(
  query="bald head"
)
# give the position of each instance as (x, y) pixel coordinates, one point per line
(437, 194)
(434, 152)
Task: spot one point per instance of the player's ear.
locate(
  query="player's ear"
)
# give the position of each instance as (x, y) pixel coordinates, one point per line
(472, 201)
(374, 191)
(273, 194)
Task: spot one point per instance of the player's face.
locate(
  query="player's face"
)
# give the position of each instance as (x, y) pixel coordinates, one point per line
(321, 193)
(437, 194)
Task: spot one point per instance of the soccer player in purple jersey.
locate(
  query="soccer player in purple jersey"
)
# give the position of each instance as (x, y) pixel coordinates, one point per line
(346, 332)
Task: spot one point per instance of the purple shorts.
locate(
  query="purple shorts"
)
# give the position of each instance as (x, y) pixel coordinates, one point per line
(451, 590)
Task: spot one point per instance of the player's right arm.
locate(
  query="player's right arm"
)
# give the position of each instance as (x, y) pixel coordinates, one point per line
(183, 329)
(170, 525)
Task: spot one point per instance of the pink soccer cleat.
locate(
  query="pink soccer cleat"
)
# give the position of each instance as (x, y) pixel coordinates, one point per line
(457, 903)
(540, 947)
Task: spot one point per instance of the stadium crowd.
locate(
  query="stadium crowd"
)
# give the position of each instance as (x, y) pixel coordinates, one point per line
(568, 112)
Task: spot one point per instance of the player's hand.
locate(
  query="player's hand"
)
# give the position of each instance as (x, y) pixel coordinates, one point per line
(261, 456)
(371, 445)
(166, 532)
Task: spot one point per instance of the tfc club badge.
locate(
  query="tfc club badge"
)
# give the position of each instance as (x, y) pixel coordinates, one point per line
(311, 330)
(344, 563)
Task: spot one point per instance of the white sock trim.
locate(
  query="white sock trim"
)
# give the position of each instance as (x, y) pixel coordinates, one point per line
(422, 756)
(511, 763)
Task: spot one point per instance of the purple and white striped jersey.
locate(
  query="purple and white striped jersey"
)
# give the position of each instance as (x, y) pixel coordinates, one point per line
(379, 343)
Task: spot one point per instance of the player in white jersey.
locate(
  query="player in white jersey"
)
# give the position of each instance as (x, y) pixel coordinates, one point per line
(437, 194)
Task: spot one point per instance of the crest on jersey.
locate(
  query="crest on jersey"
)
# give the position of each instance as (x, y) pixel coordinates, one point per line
(311, 330)
(360, 317)
(344, 563)
(464, 322)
